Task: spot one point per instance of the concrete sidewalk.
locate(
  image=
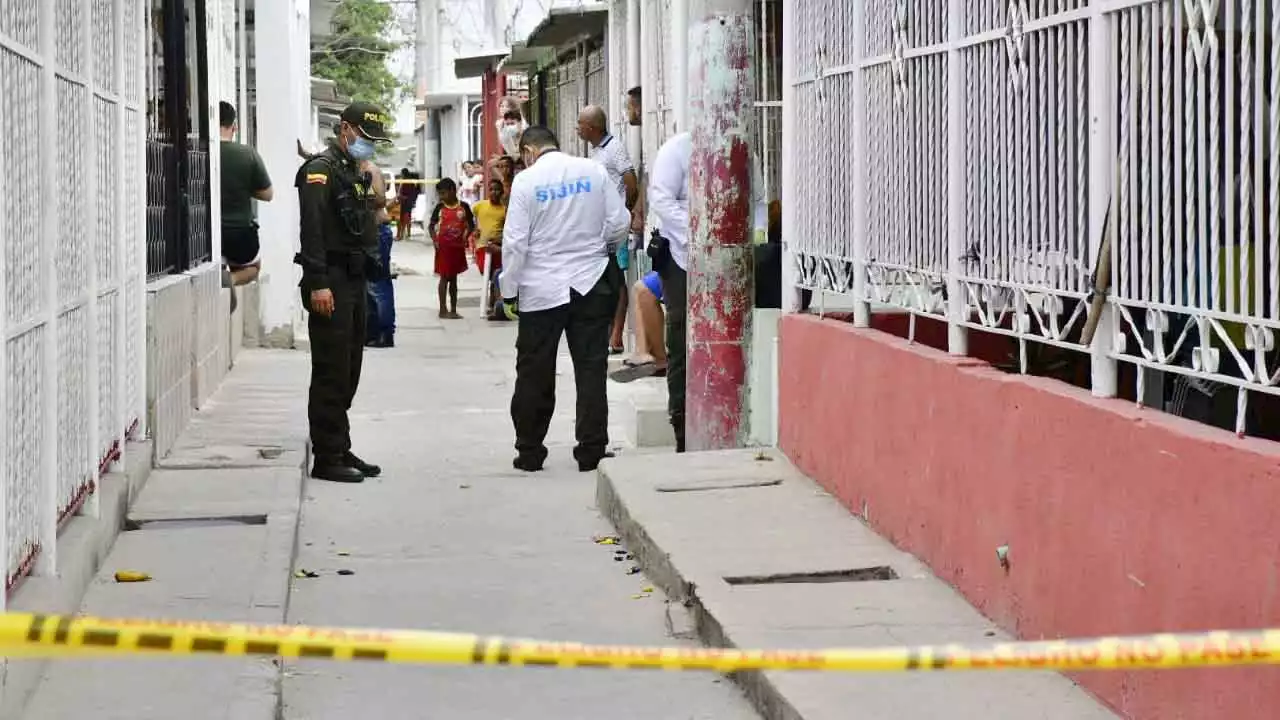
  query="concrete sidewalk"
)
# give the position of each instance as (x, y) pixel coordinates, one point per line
(694, 521)
(215, 527)
(452, 538)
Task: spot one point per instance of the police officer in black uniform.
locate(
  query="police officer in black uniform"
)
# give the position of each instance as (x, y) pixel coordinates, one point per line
(339, 256)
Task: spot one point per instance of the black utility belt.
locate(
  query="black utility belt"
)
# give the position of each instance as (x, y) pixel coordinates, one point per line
(352, 262)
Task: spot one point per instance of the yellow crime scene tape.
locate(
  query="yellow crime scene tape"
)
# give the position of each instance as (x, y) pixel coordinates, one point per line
(27, 635)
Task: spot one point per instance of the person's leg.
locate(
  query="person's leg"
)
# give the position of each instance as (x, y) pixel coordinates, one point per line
(588, 330)
(330, 390)
(358, 290)
(534, 400)
(619, 325)
(649, 321)
(641, 356)
(384, 290)
(241, 251)
(388, 312)
(495, 265)
(442, 290)
(245, 275)
(453, 297)
(372, 333)
(675, 292)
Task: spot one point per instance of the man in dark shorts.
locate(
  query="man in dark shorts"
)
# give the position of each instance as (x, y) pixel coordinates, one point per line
(244, 179)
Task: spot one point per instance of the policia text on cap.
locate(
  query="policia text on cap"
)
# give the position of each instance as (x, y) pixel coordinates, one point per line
(339, 256)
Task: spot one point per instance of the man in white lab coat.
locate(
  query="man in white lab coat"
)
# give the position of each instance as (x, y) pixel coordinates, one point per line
(668, 198)
(562, 215)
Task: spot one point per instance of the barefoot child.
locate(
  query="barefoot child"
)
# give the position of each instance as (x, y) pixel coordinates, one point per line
(450, 225)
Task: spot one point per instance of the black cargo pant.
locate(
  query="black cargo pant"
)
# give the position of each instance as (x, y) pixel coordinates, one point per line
(337, 352)
(675, 296)
(585, 321)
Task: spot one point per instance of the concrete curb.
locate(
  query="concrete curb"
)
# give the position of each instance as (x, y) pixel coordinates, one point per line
(657, 564)
(260, 687)
(82, 547)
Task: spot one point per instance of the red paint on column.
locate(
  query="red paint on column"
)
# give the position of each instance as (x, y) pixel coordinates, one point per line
(493, 89)
(721, 119)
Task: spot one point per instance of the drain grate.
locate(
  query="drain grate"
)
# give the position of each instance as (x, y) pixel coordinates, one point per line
(132, 525)
(867, 574)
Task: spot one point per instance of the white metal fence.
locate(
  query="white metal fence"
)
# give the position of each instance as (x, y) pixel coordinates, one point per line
(73, 263)
(958, 158)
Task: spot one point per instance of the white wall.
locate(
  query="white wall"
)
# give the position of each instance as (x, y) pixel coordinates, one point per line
(282, 43)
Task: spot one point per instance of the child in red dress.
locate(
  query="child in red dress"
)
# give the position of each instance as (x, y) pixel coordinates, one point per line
(450, 226)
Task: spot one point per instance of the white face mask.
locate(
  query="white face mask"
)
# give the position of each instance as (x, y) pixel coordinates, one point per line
(509, 136)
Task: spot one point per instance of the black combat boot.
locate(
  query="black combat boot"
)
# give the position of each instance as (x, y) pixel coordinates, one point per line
(335, 469)
(588, 463)
(366, 469)
(527, 463)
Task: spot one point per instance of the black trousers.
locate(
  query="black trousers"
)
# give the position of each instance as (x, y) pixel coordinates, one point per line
(675, 295)
(337, 353)
(585, 322)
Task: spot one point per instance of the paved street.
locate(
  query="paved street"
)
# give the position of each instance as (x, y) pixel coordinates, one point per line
(451, 538)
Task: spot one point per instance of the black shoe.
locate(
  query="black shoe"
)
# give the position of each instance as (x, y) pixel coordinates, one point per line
(526, 463)
(364, 468)
(589, 464)
(335, 470)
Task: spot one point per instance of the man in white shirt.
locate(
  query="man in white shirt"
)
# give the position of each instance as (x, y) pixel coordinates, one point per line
(562, 216)
(604, 148)
(668, 199)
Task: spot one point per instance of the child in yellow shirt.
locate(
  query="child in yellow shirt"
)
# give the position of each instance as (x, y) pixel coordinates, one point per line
(491, 214)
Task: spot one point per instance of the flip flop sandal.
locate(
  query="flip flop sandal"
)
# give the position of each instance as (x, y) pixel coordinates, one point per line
(635, 372)
(616, 350)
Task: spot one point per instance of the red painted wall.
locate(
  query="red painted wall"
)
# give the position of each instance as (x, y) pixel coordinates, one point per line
(1119, 520)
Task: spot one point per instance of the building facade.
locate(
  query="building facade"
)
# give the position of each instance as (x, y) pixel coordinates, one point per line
(116, 324)
(1054, 229)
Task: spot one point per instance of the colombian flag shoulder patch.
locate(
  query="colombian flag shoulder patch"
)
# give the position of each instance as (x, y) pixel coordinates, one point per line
(317, 179)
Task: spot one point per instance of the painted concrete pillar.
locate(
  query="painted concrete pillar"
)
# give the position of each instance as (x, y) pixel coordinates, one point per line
(721, 115)
(277, 48)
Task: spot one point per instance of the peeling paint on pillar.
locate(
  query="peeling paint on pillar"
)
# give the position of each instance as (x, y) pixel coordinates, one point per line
(721, 259)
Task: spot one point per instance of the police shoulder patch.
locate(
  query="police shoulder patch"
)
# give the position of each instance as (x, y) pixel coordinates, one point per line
(317, 179)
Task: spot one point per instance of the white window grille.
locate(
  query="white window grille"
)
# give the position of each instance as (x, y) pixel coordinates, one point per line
(969, 152)
(73, 266)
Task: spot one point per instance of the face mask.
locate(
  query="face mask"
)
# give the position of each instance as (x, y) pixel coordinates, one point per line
(509, 136)
(360, 149)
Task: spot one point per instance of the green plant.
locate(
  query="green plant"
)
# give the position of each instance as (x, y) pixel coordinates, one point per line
(365, 34)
